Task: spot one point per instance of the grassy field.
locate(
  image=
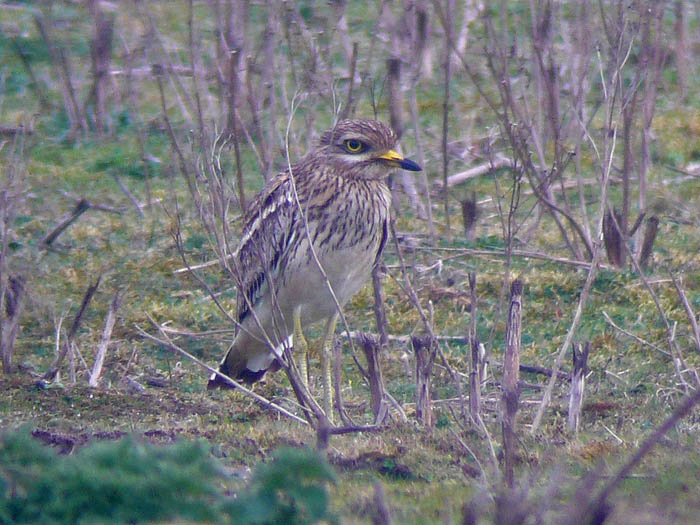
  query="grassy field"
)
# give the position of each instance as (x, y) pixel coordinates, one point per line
(136, 140)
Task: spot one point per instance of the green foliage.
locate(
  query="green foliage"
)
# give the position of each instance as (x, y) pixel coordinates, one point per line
(135, 482)
(289, 489)
(121, 481)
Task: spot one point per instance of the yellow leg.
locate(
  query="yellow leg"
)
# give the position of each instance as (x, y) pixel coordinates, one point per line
(301, 346)
(326, 352)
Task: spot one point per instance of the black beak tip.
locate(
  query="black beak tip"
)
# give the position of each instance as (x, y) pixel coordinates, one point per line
(408, 164)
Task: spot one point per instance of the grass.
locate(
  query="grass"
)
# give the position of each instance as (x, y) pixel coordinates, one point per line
(428, 474)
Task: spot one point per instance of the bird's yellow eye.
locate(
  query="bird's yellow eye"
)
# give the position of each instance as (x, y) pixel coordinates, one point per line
(354, 146)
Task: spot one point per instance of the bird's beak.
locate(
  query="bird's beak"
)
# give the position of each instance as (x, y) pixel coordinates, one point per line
(394, 159)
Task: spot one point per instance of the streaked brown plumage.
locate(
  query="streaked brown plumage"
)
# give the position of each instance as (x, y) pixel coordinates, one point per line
(341, 189)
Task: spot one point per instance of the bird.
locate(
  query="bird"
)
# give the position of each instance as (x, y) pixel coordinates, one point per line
(309, 242)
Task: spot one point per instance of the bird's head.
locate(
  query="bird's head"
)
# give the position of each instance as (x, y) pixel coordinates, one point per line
(362, 149)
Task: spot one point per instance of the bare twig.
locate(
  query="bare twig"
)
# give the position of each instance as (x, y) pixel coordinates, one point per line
(511, 391)
(337, 385)
(449, 6)
(460, 252)
(346, 110)
(455, 376)
(475, 364)
(235, 384)
(35, 83)
(324, 432)
(396, 119)
(14, 291)
(62, 66)
(106, 336)
(681, 411)
(101, 54)
(93, 205)
(577, 385)
(471, 173)
(371, 348)
(678, 284)
(583, 298)
(80, 208)
(233, 123)
(53, 369)
(606, 167)
(636, 338)
(425, 349)
(678, 360)
(129, 195)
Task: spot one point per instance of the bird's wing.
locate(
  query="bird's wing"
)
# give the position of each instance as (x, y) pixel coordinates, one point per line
(267, 233)
(382, 241)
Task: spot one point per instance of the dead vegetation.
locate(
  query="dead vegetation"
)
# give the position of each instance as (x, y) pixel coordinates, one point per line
(563, 135)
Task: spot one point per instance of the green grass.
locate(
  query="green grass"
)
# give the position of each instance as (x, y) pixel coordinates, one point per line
(428, 475)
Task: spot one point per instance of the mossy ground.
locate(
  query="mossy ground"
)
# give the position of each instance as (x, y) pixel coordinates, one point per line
(428, 474)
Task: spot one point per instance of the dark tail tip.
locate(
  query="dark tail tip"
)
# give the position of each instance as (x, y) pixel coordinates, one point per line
(246, 376)
(216, 381)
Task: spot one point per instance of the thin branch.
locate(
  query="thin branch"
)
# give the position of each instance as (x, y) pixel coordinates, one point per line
(263, 401)
(583, 298)
(678, 414)
(445, 109)
(51, 372)
(482, 169)
(688, 310)
(106, 336)
(80, 208)
(129, 195)
(636, 338)
(460, 252)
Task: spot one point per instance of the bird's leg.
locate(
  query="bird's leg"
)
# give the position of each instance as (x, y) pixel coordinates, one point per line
(302, 347)
(326, 351)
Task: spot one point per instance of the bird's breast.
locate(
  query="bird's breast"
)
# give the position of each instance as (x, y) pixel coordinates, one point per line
(346, 232)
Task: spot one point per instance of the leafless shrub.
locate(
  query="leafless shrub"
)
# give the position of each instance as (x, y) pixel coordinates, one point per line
(66, 349)
(477, 368)
(425, 352)
(13, 281)
(101, 57)
(511, 374)
(106, 337)
(548, 126)
(470, 215)
(652, 228)
(371, 349)
(613, 238)
(578, 376)
(63, 68)
(14, 294)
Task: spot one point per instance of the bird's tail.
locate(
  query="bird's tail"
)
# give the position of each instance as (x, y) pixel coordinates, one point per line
(217, 381)
(242, 374)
